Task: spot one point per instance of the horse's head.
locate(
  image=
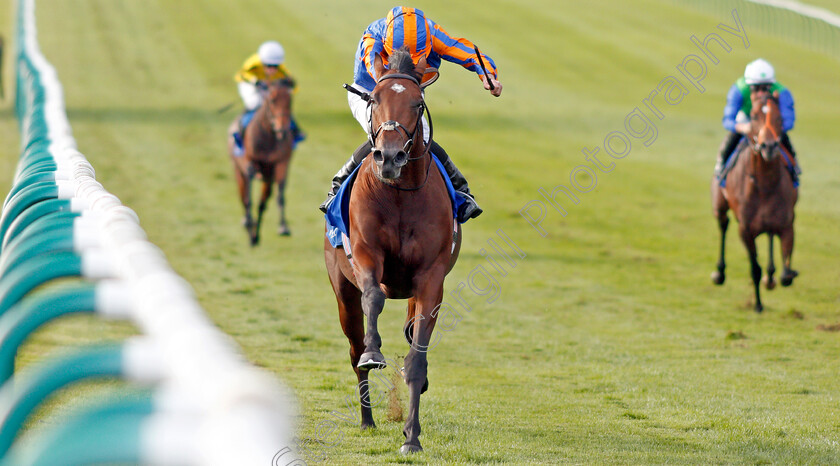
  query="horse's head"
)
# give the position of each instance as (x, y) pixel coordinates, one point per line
(396, 113)
(766, 124)
(277, 99)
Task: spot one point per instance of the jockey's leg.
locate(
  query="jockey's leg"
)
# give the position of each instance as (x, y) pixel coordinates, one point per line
(355, 160)
(244, 119)
(470, 208)
(297, 134)
(726, 147)
(785, 140)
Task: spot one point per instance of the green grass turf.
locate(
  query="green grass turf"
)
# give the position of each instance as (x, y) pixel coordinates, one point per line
(606, 344)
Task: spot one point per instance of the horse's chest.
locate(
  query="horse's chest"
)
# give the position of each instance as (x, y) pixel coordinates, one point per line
(767, 215)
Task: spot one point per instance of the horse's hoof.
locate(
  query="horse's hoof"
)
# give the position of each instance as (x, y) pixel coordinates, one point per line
(759, 307)
(284, 231)
(409, 449)
(718, 277)
(254, 241)
(371, 360)
(370, 425)
(787, 278)
(769, 283)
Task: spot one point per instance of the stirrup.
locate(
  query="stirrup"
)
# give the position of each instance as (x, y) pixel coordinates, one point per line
(469, 209)
(326, 204)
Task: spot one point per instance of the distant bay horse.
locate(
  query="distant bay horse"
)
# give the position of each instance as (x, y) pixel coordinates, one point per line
(268, 143)
(761, 193)
(403, 237)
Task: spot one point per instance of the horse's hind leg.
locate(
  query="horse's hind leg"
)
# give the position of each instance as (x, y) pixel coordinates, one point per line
(264, 195)
(280, 173)
(755, 269)
(768, 280)
(243, 184)
(788, 274)
(719, 276)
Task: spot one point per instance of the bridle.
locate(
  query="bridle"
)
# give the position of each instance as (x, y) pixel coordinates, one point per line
(392, 125)
(280, 133)
(759, 147)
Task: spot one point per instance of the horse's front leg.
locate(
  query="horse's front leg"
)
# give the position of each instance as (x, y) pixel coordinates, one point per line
(768, 280)
(368, 272)
(719, 276)
(788, 274)
(243, 183)
(353, 324)
(755, 270)
(427, 299)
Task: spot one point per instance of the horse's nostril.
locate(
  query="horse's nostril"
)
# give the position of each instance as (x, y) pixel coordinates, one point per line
(400, 158)
(377, 155)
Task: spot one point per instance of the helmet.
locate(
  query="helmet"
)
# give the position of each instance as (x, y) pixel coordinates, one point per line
(759, 72)
(407, 26)
(271, 53)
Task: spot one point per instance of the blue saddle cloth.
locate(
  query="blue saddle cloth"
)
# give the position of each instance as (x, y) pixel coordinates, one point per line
(239, 149)
(337, 215)
(730, 162)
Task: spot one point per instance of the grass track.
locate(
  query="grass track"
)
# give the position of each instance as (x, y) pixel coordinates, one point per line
(607, 343)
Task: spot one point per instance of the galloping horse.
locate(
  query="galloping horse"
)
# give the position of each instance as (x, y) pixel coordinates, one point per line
(401, 232)
(267, 152)
(761, 193)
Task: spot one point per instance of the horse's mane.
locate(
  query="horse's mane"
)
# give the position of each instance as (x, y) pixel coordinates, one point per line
(400, 61)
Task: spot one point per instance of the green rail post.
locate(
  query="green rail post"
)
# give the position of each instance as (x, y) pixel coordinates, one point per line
(20, 397)
(33, 312)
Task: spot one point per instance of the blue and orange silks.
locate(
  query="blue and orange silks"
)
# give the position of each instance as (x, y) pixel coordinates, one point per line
(409, 27)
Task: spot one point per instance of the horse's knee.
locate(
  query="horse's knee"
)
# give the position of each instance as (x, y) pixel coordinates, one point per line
(373, 299)
(416, 367)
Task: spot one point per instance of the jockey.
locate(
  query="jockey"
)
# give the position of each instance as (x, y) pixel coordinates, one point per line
(264, 66)
(409, 27)
(759, 77)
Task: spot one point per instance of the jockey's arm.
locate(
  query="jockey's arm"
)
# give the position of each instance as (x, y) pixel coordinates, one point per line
(743, 128)
(787, 110)
(734, 100)
(462, 52)
(497, 86)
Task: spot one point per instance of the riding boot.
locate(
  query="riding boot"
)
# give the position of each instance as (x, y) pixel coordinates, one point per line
(344, 172)
(726, 147)
(469, 209)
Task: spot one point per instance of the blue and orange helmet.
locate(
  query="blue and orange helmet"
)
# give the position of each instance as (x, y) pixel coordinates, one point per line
(407, 27)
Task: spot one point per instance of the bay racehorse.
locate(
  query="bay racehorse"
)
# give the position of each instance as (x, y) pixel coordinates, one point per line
(761, 193)
(402, 236)
(268, 143)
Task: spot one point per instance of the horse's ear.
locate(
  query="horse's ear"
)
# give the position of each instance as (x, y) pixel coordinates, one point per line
(420, 67)
(378, 66)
